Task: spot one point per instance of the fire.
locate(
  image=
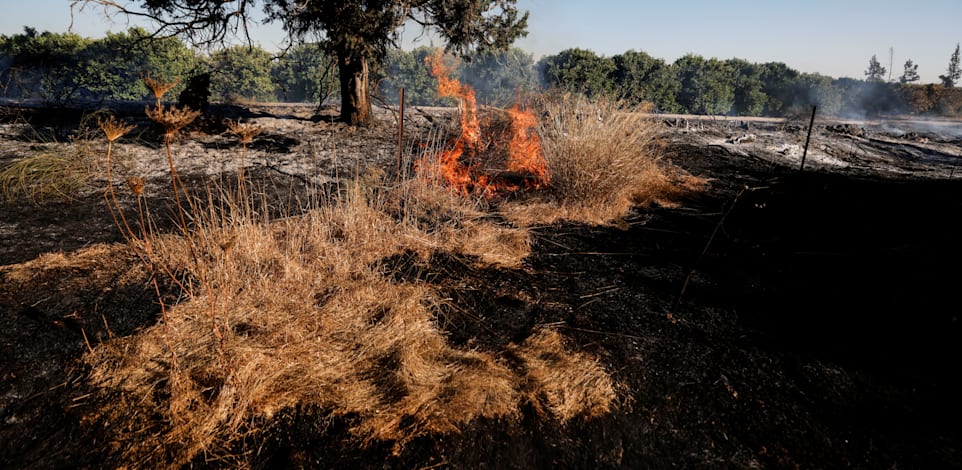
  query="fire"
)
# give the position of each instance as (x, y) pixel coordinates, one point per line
(470, 165)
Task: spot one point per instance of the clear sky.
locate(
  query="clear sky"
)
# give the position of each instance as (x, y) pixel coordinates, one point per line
(833, 37)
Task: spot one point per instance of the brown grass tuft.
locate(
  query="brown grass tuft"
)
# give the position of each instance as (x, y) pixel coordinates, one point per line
(49, 175)
(604, 158)
(310, 320)
(301, 312)
(562, 383)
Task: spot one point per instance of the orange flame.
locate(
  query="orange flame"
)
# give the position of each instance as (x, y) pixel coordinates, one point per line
(461, 167)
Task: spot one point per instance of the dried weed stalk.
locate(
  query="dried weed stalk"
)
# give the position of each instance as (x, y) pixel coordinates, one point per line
(114, 129)
(158, 87)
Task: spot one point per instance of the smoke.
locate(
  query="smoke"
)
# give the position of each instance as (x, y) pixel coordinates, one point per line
(928, 128)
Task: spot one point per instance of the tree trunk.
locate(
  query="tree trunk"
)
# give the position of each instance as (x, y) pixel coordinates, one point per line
(355, 105)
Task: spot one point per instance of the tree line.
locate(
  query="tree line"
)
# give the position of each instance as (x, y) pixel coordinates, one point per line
(58, 67)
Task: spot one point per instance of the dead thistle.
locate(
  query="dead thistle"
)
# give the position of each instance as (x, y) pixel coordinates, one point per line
(136, 185)
(158, 87)
(172, 119)
(246, 131)
(113, 128)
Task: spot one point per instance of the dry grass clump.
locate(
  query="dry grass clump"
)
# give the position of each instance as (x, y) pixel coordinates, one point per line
(45, 176)
(564, 384)
(62, 174)
(438, 219)
(604, 159)
(306, 319)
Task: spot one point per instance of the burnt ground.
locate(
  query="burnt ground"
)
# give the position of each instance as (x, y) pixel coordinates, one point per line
(818, 329)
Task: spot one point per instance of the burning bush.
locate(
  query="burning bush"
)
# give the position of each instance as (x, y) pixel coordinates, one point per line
(492, 155)
(596, 159)
(604, 157)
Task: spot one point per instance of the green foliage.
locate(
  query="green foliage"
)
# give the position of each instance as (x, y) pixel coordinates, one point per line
(242, 72)
(748, 88)
(707, 86)
(578, 71)
(818, 90)
(58, 67)
(118, 61)
(43, 65)
(779, 86)
(875, 72)
(640, 77)
(304, 74)
(499, 76)
(408, 70)
(954, 72)
(360, 33)
(496, 77)
(865, 98)
(911, 73)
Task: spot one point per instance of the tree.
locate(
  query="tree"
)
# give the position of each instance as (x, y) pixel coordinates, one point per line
(499, 76)
(891, 61)
(817, 90)
(748, 87)
(579, 71)
(58, 67)
(779, 85)
(402, 69)
(875, 72)
(117, 62)
(357, 33)
(911, 73)
(707, 86)
(954, 72)
(242, 72)
(44, 65)
(640, 77)
(303, 74)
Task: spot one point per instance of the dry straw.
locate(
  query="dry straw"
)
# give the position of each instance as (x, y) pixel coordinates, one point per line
(307, 316)
(310, 321)
(605, 158)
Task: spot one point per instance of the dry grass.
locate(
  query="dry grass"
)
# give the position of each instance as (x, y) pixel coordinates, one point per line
(300, 312)
(45, 176)
(605, 158)
(307, 319)
(59, 171)
(564, 384)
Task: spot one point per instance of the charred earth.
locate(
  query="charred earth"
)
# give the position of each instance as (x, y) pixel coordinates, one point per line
(780, 318)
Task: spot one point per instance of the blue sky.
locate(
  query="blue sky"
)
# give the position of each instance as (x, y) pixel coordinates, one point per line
(835, 38)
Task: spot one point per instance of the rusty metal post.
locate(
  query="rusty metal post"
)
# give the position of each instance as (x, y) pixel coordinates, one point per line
(400, 138)
(807, 139)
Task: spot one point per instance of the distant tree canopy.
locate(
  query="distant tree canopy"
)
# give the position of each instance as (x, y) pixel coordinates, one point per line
(579, 71)
(357, 33)
(242, 72)
(875, 71)
(640, 77)
(58, 67)
(911, 72)
(953, 72)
